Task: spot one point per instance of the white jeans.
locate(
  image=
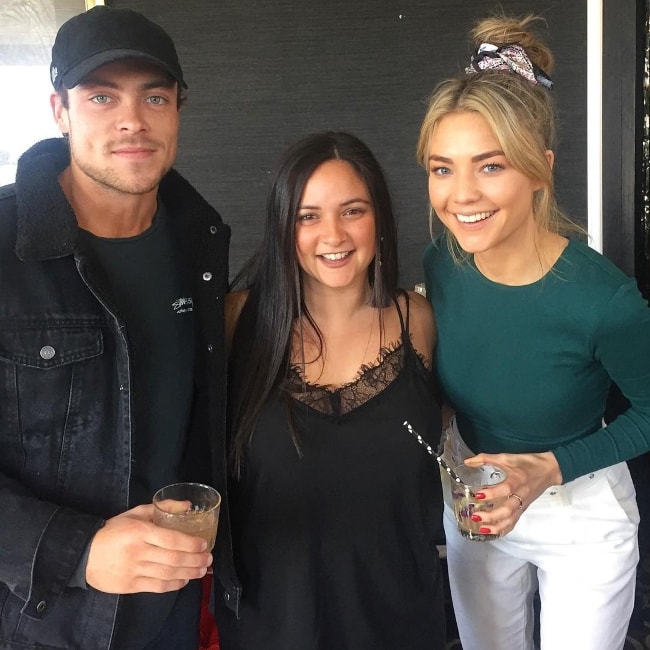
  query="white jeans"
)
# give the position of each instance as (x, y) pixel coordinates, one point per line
(577, 544)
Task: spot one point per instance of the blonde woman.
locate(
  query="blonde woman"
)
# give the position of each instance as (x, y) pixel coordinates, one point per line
(533, 328)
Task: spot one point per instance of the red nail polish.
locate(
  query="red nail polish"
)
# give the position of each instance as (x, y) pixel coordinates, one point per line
(484, 530)
(479, 495)
(476, 518)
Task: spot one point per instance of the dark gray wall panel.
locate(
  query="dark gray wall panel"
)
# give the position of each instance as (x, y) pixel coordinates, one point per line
(262, 74)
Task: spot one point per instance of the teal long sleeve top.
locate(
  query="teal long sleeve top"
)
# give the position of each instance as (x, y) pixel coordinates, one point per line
(528, 368)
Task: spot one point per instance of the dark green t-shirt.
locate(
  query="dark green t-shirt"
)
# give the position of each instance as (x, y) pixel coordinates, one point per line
(528, 368)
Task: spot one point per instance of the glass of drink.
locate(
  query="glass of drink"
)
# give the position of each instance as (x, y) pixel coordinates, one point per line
(191, 508)
(472, 479)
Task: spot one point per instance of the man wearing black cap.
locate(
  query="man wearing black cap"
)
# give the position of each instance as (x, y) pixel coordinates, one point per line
(112, 363)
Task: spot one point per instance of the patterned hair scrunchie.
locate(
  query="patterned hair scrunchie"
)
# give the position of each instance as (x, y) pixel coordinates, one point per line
(512, 58)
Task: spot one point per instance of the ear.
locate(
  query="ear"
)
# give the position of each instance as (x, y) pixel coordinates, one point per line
(550, 157)
(60, 113)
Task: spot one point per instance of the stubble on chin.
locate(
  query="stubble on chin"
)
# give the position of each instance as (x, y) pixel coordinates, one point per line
(137, 182)
(136, 178)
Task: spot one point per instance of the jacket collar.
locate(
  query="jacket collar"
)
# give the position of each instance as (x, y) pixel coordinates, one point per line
(46, 224)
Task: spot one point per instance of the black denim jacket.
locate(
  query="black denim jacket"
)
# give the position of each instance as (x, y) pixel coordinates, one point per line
(65, 400)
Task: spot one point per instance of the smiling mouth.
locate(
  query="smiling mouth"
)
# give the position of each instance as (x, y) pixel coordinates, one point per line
(474, 218)
(335, 257)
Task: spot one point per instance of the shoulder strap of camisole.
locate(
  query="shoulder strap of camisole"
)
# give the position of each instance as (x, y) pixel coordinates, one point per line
(403, 323)
(410, 353)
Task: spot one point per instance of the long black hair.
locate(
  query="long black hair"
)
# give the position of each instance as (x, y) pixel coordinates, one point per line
(273, 276)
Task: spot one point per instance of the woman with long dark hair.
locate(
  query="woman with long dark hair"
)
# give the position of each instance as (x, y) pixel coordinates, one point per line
(335, 506)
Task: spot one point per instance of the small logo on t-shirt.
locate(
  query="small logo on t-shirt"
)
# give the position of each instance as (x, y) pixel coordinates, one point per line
(182, 305)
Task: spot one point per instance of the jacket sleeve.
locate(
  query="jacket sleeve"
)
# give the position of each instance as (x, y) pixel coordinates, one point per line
(41, 545)
(622, 345)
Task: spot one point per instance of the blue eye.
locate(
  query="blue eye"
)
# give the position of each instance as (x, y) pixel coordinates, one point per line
(493, 167)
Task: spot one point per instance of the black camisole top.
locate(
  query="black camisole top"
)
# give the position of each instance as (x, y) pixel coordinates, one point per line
(335, 541)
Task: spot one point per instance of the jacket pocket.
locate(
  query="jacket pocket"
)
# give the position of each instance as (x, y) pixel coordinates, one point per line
(51, 384)
(50, 347)
(7, 622)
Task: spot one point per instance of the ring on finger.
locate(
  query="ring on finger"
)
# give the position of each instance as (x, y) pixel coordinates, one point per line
(521, 502)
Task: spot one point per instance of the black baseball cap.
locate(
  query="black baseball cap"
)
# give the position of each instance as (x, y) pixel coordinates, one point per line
(105, 34)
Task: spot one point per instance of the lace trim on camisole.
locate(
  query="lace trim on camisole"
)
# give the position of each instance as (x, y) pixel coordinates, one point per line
(371, 380)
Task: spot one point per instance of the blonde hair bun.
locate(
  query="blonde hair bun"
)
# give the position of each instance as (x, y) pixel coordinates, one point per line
(504, 30)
